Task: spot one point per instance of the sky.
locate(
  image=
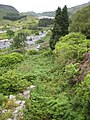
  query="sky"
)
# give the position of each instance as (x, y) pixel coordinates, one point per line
(41, 5)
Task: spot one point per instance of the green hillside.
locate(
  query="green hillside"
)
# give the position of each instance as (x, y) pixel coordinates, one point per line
(74, 9)
(7, 10)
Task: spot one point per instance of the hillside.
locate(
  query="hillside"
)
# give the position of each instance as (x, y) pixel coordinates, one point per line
(74, 9)
(7, 10)
(31, 13)
(71, 11)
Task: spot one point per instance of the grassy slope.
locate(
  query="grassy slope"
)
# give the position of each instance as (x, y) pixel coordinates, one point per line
(6, 9)
(42, 72)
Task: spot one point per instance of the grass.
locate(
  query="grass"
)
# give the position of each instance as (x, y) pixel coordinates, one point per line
(3, 36)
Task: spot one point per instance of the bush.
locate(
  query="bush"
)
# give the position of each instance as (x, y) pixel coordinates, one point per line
(71, 70)
(81, 100)
(3, 99)
(10, 59)
(48, 108)
(71, 48)
(31, 52)
(80, 21)
(11, 82)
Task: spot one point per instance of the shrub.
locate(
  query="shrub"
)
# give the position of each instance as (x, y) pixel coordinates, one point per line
(10, 59)
(31, 52)
(71, 71)
(3, 99)
(71, 47)
(80, 21)
(81, 100)
(11, 82)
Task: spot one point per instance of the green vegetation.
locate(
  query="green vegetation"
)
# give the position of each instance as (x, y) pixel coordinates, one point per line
(60, 28)
(61, 92)
(45, 22)
(3, 36)
(19, 41)
(80, 22)
(10, 33)
(61, 76)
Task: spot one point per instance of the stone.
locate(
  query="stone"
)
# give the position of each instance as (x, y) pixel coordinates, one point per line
(32, 86)
(4, 111)
(18, 102)
(19, 108)
(15, 112)
(26, 92)
(22, 102)
(11, 97)
(9, 119)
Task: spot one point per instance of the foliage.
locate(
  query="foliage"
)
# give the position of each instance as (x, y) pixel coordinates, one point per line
(71, 70)
(11, 82)
(60, 28)
(19, 41)
(49, 108)
(65, 21)
(10, 33)
(3, 99)
(45, 22)
(7, 115)
(81, 101)
(71, 47)
(31, 52)
(10, 59)
(80, 22)
(13, 17)
(57, 28)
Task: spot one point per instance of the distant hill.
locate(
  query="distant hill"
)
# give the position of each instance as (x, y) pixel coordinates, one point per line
(49, 14)
(9, 12)
(74, 9)
(71, 11)
(31, 13)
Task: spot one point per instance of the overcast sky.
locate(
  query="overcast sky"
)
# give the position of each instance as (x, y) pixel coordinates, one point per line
(41, 5)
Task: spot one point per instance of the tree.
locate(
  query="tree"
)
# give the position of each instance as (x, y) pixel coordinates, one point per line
(19, 41)
(57, 29)
(10, 33)
(65, 21)
(44, 22)
(61, 24)
(80, 22)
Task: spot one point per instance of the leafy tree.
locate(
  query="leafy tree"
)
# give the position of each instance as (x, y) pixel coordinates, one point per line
(45, 22)
(80, 22)
(19, 41)
(10, 33)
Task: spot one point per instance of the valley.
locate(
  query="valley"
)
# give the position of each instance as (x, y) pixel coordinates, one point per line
(45, 64)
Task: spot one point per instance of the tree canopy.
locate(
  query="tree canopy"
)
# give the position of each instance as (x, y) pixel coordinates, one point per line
(19, 41)
(61, 24)
(80, 21)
